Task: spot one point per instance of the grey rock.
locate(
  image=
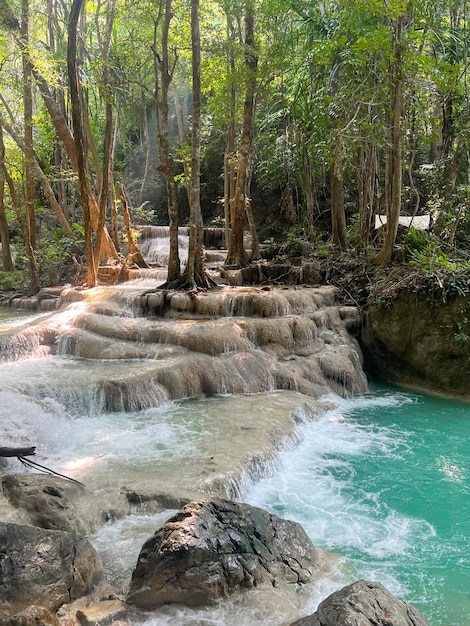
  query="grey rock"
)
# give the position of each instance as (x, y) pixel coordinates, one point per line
(44, 567)
(363, 604)
(45, 501)
(211, 548)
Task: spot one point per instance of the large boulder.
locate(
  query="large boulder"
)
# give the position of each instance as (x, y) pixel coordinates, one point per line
(44, 567)
(211, 548)
(363, 604)
(419, 343)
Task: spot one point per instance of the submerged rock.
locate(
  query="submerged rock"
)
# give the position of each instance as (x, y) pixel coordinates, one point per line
(363, 604)
(44, 567)
(212, 548)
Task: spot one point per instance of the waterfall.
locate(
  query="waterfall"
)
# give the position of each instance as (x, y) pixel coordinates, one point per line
(153, 398)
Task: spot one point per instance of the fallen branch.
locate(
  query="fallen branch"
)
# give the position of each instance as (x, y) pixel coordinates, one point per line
(22, 453)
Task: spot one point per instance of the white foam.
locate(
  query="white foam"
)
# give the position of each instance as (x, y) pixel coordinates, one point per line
(316, 487)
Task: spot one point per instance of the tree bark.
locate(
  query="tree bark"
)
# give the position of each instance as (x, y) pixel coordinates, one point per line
(366, 175)
(183, 145)
(134, 250)
(339, 232)
(229, 154)
(393, 162)
(236, 252)
(195, 271)
(7, 258)
(163, 77)
(28, 127)
(79, 139)
(42, 178)
(33, 265)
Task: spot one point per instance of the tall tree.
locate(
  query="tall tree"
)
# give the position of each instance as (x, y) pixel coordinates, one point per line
(28, 125)
(79, 139)
(195, 273)
(236, 252)
(393, 157)
(163, 75)
(5, 175)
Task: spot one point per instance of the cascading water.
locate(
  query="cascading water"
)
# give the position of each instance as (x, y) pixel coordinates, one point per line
(380, 479)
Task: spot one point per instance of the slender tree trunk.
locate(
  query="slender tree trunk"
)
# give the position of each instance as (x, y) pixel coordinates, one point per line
(229, 154)
(91, 144)
(28, 127)
(7, 258)
(148, 155)
(162, 69)
(255, 249)
(33, 265)
(236, 252)
(134, 250)
(183, 142)
(83, 183)
(39, 174)
(106, 93)
(112, 193)
(307, 188)
(339, 232)
(366, 176)
(393, 163)
(195, 270)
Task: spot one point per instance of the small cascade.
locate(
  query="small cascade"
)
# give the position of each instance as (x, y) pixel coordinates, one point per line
(155, 245)
(20, 346)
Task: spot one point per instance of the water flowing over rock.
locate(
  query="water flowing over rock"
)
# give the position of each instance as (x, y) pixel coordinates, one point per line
(363, 604)
(44, 567)
(230, 341)
(212, 548)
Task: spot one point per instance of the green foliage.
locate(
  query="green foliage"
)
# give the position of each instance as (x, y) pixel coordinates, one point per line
(55, 253)
(14, 281)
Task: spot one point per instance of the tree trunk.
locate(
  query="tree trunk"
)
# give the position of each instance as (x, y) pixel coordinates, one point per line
(255, 249)
(229, 154)
(148, 154)
(42, 178)
(103, 176)
(134, 250)
(195, 271)
(30, 191)
(112, 194)
(366, 176)
(183, 146)
(162, 69)
(79, 138)
(339, 232)
(393, 158)
(33, 265)
(236, 252)
(7, 259)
